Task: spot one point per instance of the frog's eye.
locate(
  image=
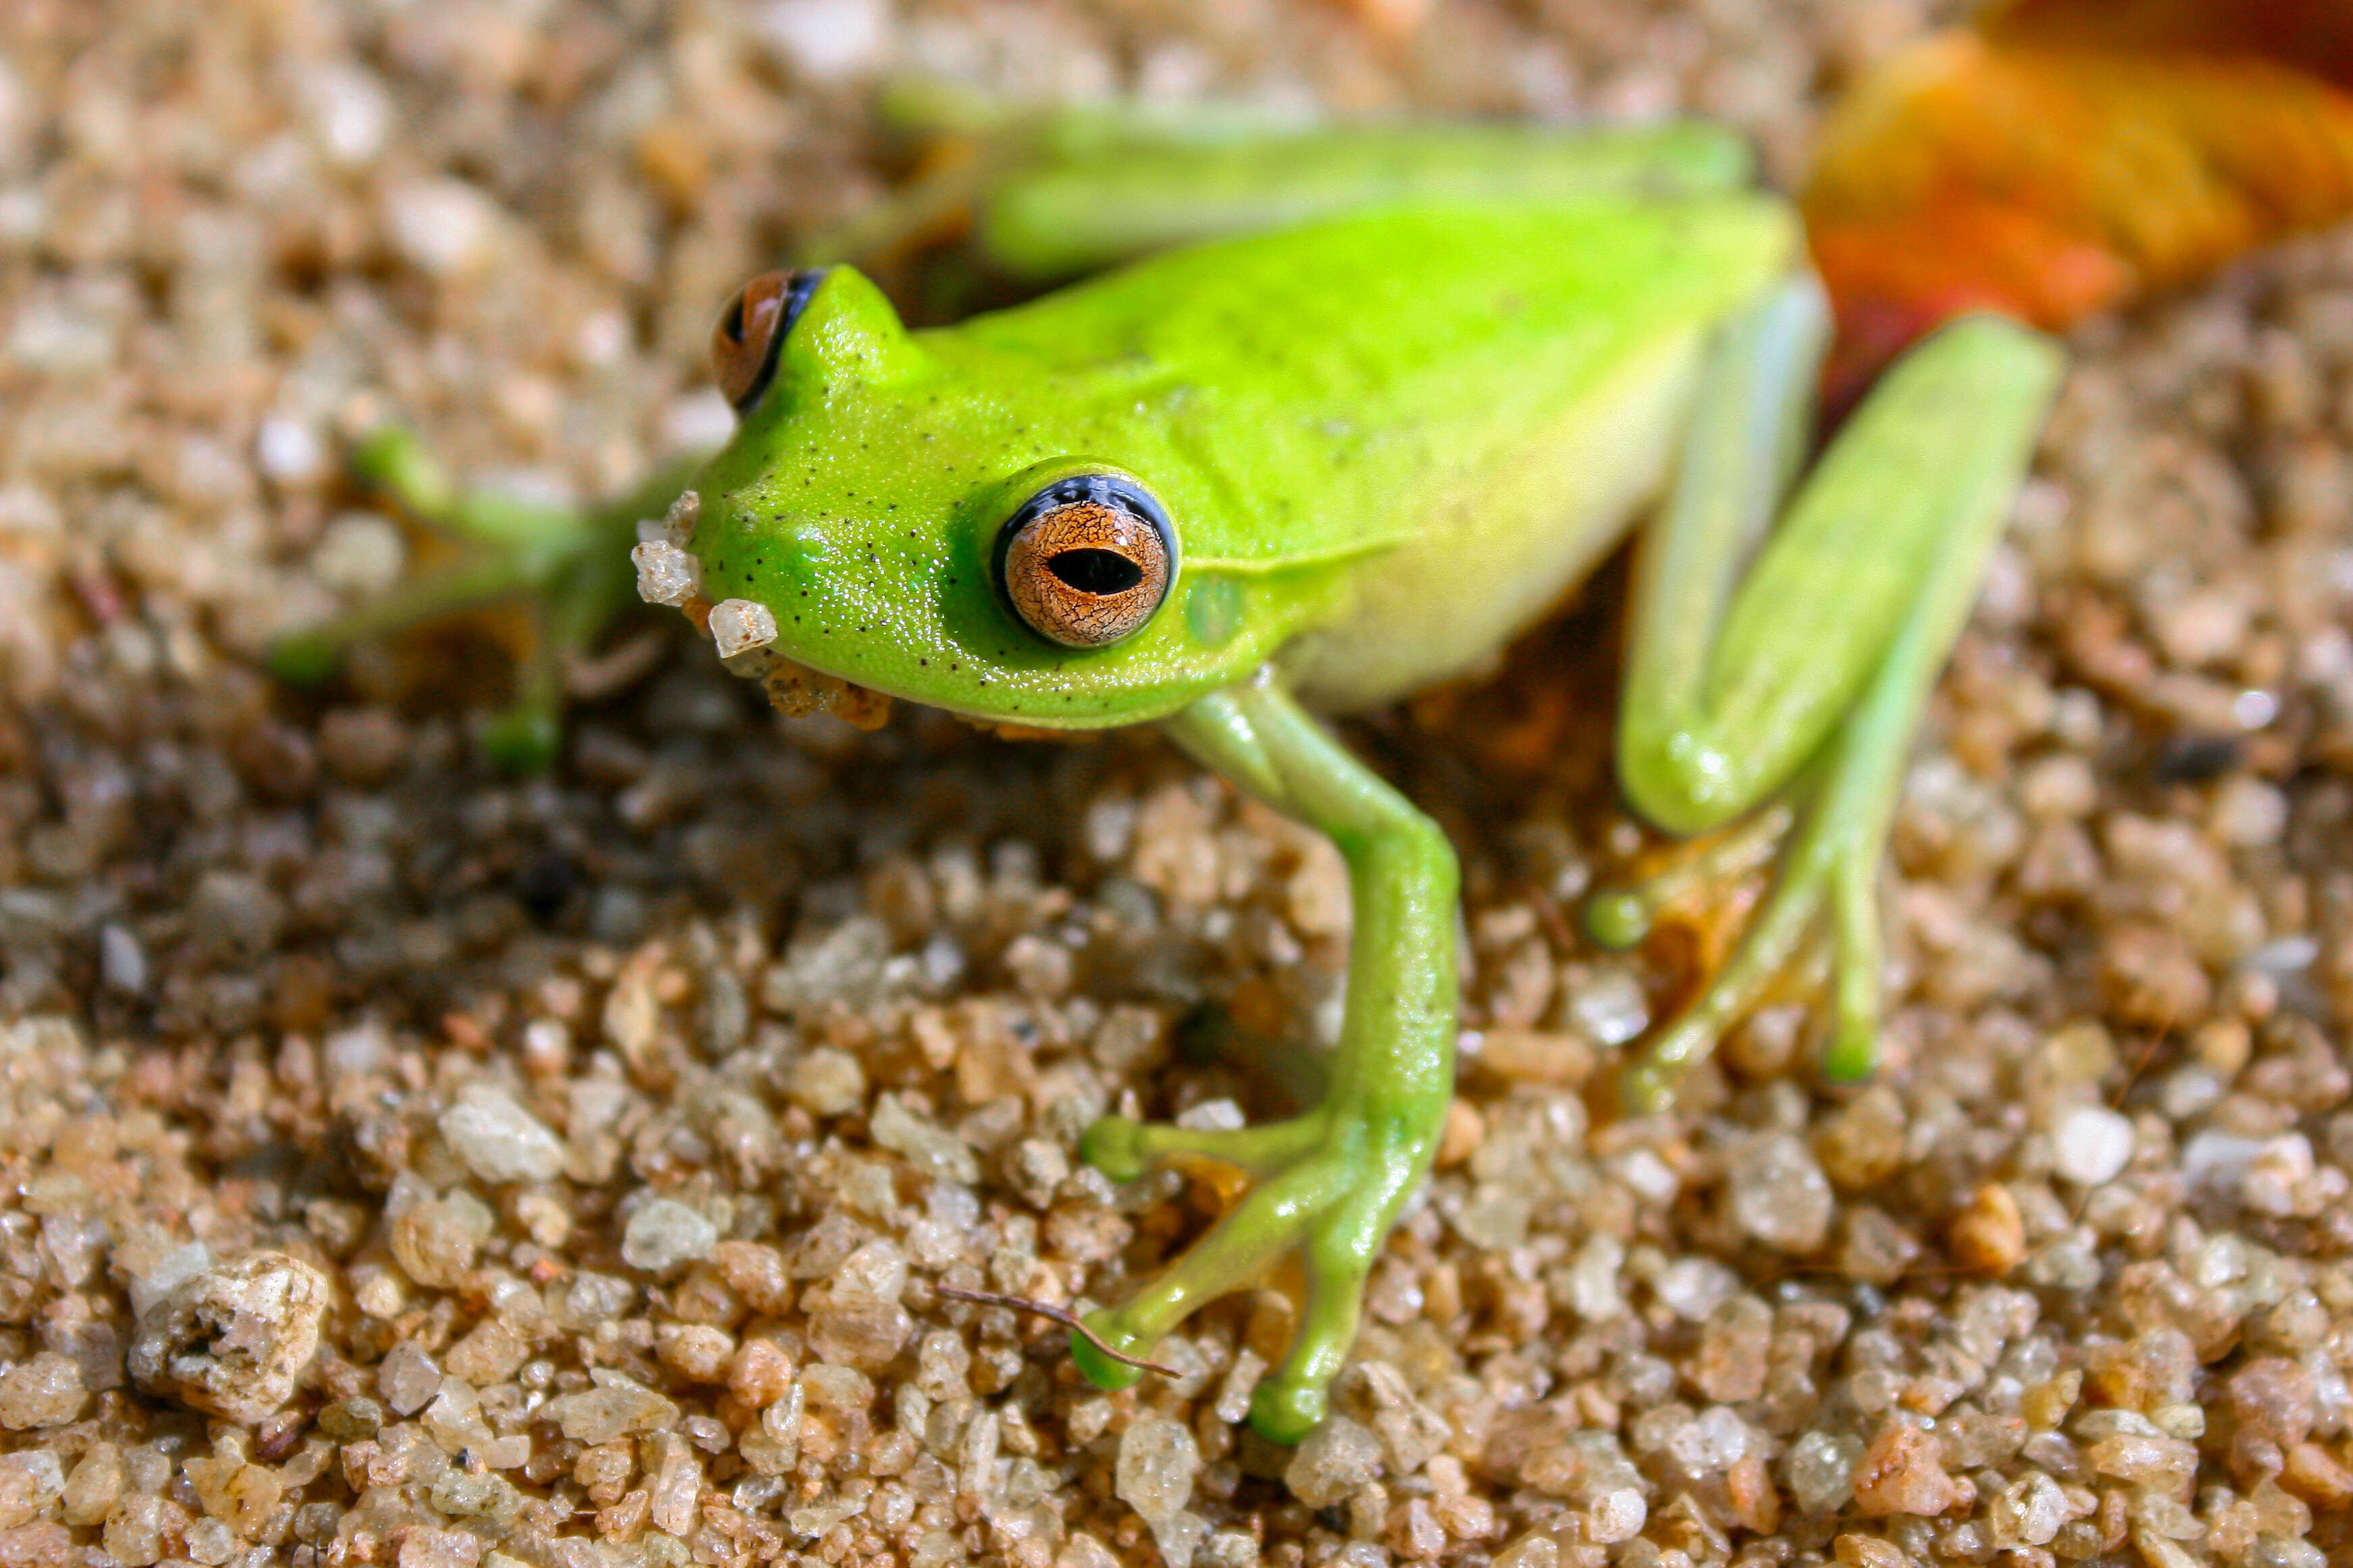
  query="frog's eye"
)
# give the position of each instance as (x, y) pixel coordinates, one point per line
(1086, 561)
(751, 331)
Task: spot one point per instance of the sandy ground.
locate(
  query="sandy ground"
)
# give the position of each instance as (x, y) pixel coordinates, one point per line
(407, 1163)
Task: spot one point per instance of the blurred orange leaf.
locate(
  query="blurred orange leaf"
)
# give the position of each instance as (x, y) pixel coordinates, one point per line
(2067, 156)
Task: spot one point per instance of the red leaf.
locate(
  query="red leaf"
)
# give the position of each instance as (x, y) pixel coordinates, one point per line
(2071, 157)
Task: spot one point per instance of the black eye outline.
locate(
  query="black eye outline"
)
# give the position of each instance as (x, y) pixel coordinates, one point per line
(800, 285)
(1117, 492)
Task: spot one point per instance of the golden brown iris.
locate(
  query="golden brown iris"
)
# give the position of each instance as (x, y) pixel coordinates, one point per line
(1086, 574)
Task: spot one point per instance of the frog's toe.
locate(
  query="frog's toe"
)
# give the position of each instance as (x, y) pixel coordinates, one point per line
(1115, 1146)
(523, 740)
(1853, 1054)
(1105, 1371)
(393, 458)
(1823, 897)
(1329, 1184)
(305, 658)
(1284, 1411)
(1617, 920)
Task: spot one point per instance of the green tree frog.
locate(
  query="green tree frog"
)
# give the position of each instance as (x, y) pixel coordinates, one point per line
(1369, 403)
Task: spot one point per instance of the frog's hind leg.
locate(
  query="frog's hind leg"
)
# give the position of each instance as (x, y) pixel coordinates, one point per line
(568, 565)
(1811, 675)
(1052, 193)
(1824, 888)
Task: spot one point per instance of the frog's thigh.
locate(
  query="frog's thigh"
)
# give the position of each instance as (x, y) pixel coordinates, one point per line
(1725, 701)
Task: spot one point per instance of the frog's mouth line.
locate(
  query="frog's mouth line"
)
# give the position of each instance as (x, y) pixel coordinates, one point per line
(793, 688)
(668, 574)
(796, 691)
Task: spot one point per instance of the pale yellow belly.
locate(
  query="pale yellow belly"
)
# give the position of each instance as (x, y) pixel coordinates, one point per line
(1504, 545)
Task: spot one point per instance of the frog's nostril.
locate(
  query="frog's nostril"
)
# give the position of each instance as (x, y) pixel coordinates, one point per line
(1098, 572)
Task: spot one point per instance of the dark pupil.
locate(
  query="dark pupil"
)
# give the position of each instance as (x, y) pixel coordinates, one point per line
(1098, 572)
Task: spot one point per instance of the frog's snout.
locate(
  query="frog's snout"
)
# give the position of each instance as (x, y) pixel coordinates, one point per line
(742, 631)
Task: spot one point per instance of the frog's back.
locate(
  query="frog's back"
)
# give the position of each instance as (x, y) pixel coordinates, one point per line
(1463, 402)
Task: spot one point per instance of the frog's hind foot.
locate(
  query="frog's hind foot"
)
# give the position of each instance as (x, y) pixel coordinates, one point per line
(1822, 900)
(1326, 1187)
(1699, 873)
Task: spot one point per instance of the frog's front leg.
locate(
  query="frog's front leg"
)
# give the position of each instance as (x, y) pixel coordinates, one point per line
(569, 566)
(1329, 1183)
(1814, 671)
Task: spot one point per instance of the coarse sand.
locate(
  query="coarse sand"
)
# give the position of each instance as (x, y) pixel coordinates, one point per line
(405, 1163)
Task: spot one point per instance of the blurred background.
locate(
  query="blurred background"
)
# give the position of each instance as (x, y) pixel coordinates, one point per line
(254, 945)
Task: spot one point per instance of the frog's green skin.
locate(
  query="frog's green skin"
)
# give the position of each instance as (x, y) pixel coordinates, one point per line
(1388, 439)
(1377, 471)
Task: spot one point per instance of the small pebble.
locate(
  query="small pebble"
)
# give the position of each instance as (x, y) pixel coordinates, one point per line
(1535, 1056)
(407, 1379)
(1334, 1460)
(29, 1482)
(739, 625)
(442, 227)
(665, 1234)
(497, 1140)
(232, 1338)
(2091, 1144)
(1988, 1236)
(617, 1408)
(1899, 1472)
(1819, 1467)
(1854, 1550)
(2027, 1512)
(1157, 1462)
(666, 574)
(1777, 1193)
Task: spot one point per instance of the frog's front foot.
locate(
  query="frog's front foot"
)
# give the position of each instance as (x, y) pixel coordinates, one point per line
(1824, 889)
(1328, 1185)
(568, 566)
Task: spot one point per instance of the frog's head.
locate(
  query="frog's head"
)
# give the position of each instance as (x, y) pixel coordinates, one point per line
(892, 514)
